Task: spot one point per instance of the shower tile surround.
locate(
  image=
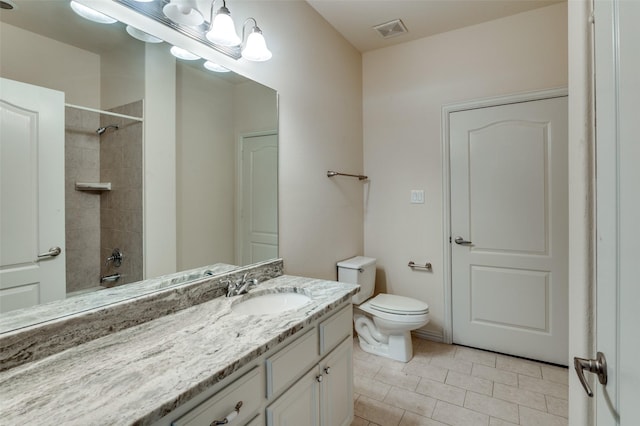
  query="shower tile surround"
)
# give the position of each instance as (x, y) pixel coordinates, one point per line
(144, 372)
(95, 222)
(121, 208)
(21, 343)
(82, 209)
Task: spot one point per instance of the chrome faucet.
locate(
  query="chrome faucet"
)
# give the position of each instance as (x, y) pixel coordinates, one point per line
(240, 287)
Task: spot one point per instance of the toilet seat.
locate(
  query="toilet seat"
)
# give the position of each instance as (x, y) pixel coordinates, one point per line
(390, 307)
(393, 304)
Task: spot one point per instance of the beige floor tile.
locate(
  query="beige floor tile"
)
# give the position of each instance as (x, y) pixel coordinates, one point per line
(458, 416)
(359, 421)
(543, 386)
(499, 376)
(398, 378)
(477, 356)
(465, 381)
(517, 365)
(492, 406)
(355, 395)
(370, 387)
(378, 412)
(411, 419)
(436, 349)
(411, 401)
(428, 371)
(555, 374)
(520, 396)
(530, 417)
(459, 365)
(365, 368)
(441, 391)
(557, 406)
(499, 422)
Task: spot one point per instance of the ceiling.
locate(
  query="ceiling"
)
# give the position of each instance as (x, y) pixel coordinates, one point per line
(354, 19)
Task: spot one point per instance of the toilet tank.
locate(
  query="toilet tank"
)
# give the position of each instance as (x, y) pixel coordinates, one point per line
(359, 270)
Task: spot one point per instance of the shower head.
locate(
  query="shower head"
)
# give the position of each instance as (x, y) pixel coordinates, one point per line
(101, 130)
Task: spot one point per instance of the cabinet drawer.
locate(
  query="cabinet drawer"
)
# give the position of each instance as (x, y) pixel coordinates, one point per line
(335, 329)
(247, 389)
(289, 364)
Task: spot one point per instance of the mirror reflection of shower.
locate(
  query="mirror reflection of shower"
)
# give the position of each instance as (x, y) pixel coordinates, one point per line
(103, 196)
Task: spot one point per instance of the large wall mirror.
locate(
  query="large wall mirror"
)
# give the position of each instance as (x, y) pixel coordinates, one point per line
(225, 154)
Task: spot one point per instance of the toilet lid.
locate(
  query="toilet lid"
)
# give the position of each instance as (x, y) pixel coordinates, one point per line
(398, 305)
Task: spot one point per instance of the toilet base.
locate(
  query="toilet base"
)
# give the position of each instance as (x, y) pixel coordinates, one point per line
(398, 348)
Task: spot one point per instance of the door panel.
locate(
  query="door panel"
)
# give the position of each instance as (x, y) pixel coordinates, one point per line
(31, 195)
(259, 224)
(509, 199)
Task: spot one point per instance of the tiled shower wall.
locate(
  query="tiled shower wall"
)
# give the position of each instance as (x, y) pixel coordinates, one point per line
(82, 217)
(121, 208)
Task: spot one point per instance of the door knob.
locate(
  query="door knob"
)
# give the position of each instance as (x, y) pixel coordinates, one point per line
(597, 366)
(53, 252)
(462, 242)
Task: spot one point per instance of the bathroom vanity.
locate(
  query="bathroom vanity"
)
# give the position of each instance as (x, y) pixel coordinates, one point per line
(197, 365)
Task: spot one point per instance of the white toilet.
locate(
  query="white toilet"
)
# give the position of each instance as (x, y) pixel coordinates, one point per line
(389, 334)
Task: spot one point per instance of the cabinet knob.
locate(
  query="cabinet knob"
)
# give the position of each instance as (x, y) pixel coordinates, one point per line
(327, 370)
(319, 378)
(232, 415)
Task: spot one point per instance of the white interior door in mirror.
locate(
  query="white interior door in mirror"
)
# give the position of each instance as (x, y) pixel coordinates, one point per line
(32, 195)
(259, 218)
(509, 206)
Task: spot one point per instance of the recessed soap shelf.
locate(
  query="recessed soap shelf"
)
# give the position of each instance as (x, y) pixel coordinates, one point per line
(93, 186)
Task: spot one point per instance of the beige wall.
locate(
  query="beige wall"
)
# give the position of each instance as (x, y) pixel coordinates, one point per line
(405, 87)
(78, 75)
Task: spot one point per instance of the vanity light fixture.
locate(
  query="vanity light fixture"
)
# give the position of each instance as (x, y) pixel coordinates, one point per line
(255, 47)
(141, 35)
(212, 66)
(181, 53)
(222, 30)
(183, 12)
(91, 14)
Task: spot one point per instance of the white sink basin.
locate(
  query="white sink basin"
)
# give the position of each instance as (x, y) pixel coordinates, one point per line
(270, 303)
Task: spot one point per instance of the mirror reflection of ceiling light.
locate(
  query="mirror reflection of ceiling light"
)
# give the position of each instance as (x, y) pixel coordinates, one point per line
(212, 66)
(91, 14)
(181, 53)
(142, 36)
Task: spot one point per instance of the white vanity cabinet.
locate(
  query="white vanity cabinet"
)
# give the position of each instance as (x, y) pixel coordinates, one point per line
(307, 382)
(323, 396)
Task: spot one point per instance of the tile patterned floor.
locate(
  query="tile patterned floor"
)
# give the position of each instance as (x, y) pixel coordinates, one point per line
(457, 386)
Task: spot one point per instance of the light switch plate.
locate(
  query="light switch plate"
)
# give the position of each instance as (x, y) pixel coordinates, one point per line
(417, 196)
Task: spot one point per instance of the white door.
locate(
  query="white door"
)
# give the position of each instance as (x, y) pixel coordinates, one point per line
(259, 188)
(509, 216)
(32, 195)
(617, 211)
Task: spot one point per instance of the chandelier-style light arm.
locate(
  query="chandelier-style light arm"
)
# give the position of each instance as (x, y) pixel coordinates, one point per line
(255, 25)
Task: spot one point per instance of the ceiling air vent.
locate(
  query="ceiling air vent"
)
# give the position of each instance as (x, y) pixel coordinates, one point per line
(391, 29)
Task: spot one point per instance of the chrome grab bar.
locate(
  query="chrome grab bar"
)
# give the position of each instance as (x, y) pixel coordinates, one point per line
(331, 173)
(53, 252)
(414, 265)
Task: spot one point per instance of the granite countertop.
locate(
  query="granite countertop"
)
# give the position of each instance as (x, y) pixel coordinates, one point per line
(138, 375)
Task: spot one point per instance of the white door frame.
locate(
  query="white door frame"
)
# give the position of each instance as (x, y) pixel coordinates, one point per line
(447, 331)
(240, 185)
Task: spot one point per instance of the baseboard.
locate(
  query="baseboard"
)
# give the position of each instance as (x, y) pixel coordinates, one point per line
(434, 336)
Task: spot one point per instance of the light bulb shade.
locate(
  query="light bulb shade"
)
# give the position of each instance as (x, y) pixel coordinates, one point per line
(223, 31)
(212, 66)
(183, 12)
(255, 49)
(91, 14)
(141, 35)
(181, 53)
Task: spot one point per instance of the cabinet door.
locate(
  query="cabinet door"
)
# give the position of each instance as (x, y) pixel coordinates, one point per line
(337, 386)
(300, 405)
